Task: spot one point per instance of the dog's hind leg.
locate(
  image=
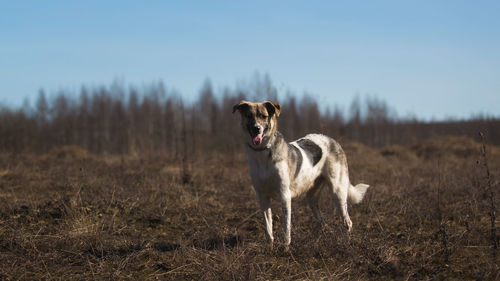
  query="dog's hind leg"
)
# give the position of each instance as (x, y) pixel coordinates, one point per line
(338, 181)
(313, 198)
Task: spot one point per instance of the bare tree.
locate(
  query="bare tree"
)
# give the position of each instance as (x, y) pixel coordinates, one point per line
(115, 120)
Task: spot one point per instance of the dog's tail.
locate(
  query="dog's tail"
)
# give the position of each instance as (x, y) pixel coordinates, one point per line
(356, 193)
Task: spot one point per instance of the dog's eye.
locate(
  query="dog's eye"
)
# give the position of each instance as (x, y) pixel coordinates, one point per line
(260, 115)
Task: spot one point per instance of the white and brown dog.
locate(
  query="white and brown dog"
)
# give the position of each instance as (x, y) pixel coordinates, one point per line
(291, 169)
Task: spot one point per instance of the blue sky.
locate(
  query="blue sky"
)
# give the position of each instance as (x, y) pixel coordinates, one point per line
(434, 59)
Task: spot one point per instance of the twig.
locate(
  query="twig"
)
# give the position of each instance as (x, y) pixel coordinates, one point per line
(442, 225)
(91, 269)
(175, 269)
(491, 213)
(247, 218)
(378, 219)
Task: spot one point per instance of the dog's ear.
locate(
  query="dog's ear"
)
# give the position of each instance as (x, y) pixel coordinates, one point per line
(242, 105)
(273, 108)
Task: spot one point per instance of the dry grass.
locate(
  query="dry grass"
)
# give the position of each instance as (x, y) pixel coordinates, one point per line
(72, 215)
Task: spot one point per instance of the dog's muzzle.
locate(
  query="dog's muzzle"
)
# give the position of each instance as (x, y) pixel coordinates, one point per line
(256, 133)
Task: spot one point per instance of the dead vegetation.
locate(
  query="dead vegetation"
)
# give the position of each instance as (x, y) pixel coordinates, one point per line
(69, 214)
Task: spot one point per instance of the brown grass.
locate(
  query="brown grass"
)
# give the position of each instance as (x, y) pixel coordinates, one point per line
(69, 214)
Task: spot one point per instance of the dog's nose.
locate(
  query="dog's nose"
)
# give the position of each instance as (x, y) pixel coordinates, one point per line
(255, 129)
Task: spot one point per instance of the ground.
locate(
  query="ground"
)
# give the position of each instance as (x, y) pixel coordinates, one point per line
(69, 214)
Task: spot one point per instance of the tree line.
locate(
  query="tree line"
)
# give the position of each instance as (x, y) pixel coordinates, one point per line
(152, 119)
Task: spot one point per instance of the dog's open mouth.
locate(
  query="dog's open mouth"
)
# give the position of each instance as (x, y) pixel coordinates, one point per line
(257, 138)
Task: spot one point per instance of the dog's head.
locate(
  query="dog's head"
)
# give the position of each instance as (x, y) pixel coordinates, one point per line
(258, 120)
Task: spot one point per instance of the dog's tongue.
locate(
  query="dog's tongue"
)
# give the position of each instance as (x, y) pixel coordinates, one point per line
(257, 140)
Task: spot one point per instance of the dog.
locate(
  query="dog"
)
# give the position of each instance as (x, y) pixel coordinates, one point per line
(287, 170)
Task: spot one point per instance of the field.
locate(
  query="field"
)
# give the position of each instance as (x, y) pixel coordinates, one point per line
(69, 214)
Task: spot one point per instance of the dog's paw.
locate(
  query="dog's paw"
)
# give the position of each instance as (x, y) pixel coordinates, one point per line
(270, 246)
(286, 249)
(348, 225)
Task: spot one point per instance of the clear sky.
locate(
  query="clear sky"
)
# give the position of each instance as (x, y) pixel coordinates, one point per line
(434, 59)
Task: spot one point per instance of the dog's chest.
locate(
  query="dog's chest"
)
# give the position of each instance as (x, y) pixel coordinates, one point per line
(265, 174)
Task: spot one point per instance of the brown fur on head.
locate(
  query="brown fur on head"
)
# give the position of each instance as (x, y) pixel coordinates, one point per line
(258, 120)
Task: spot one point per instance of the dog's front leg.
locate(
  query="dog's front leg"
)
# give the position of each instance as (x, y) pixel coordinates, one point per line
(265, 208)
(286, 207)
